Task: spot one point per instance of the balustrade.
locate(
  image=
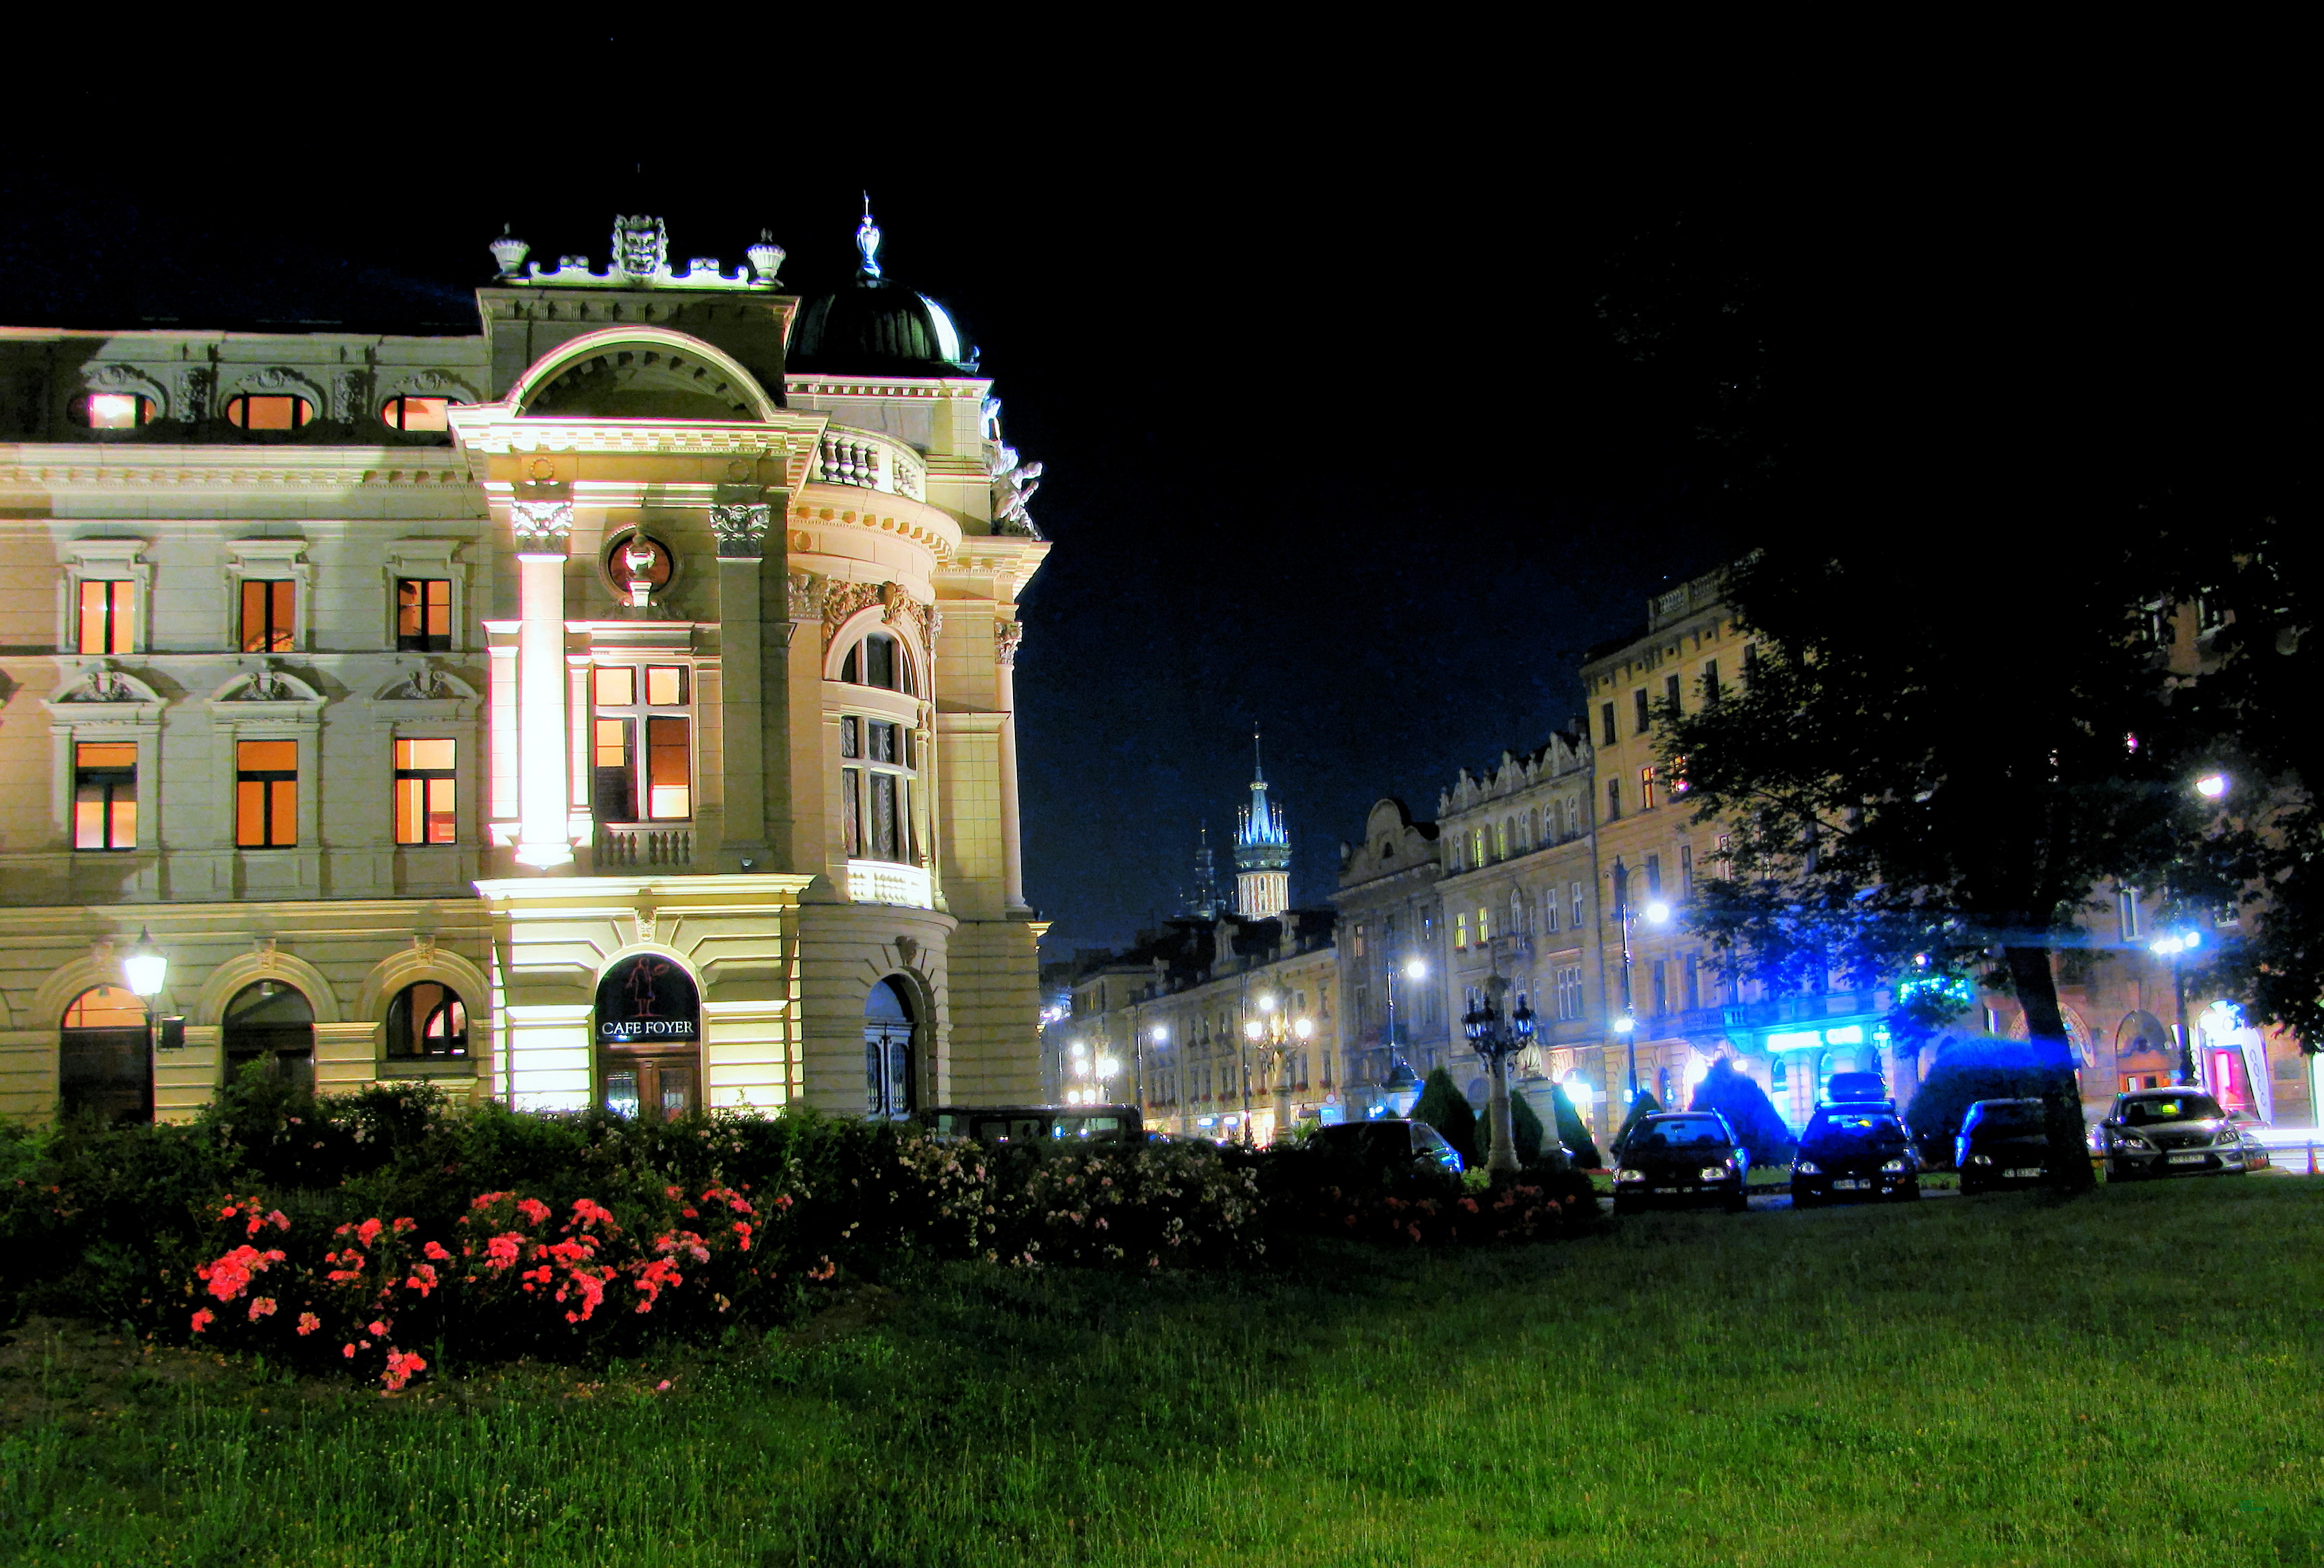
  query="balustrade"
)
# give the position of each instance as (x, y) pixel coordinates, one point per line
(644, 846)
(867, 462)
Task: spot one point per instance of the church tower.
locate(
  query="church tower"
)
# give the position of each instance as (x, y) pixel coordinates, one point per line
(1262, 852)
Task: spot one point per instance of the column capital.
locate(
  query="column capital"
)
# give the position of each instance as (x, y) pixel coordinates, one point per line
(742, 529)
(543, 528)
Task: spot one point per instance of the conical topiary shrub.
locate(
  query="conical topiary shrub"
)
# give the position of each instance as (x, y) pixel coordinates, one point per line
(1748, 1110)
(1574, 1133)
(1444, 1108)
(1645, 1105)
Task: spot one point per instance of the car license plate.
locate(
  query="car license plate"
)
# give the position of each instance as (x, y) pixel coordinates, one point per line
(2023, 1171)
(2186, 1159)
(1850, 1185)
(1671, 1191)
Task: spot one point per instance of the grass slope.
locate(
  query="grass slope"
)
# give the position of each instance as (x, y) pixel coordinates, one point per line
(2125, 1377)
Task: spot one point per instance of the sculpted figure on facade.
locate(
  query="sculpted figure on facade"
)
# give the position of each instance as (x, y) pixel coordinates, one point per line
(1013, 483)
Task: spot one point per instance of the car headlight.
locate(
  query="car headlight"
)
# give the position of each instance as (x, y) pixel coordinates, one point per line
(1893, 1164)
(1627, 1175)
(1980, 1159)
(2230, 1139)
(1717, 1173)
(2131, 1140)
(1807, 1167)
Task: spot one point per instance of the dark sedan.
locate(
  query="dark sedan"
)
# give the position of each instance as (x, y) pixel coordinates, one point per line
(1854, 1151)
(1683, 1156)
(2002, 1143)
(2159, 1132)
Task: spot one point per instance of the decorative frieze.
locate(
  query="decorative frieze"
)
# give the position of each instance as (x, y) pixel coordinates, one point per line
(843, 600)
(806, 590)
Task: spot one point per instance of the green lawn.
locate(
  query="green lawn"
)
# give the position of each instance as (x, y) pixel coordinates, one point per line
(2128, 1378)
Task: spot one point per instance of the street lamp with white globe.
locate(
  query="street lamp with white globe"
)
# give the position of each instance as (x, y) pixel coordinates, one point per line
(1655, 913)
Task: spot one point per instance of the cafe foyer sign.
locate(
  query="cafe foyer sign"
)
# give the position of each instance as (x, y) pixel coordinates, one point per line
(648, 1000)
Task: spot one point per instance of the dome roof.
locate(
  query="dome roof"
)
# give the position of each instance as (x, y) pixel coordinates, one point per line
(874, 327)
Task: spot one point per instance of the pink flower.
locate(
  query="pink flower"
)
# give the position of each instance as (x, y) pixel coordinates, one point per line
(308, 1324)
(378, 1326)
(405, 1226)
(587, 1210)
(433, 1252)
(368, 1231)
(203, 1319)
(663, 1387)
(423, 1278)
(502, 1250)
(349, 1351)
(262, 1307)
(279, 1219)
(533, 1210)
(401, 1366)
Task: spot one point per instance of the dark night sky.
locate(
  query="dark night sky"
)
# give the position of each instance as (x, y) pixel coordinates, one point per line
(1350, 429)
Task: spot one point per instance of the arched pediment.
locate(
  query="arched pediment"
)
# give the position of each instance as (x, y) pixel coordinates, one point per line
(268, 684)
(413, 966)
(227, 980)
(101, 686)
(641, 372)
(430, 683)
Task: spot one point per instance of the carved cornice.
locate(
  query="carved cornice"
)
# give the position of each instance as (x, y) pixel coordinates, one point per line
(50, 466)
(843, 600)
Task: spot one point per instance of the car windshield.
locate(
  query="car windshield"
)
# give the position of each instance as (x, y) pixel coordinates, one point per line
(2009, 1116)
(1855, 1127)
(1691, 1132)
(2152, 1109)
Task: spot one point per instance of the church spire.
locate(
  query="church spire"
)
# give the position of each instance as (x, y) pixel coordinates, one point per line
(1262, 849)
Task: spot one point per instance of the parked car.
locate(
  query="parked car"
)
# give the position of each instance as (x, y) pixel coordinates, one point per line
(1680, 1158)
(1854, 1151)
(2002, 1143)
(2254, 1151)
(2160, 1132)
(995, 1125)
(1386, 1143)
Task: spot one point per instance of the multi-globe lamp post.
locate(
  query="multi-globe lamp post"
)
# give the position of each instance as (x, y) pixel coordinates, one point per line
(1273, 1033)
(1496, 1039)
(146, 969)
(1414, 970)
(2176, 944)
(1095, 1071)
(1655, 913)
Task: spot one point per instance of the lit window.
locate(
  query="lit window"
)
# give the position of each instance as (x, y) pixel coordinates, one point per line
(266, 607)
(423, 792)
(1645, 789)
(103, 623)
(423, 615)
(105, 795)
(634, 704)
(416, 413)
(266, 794)
(426, 1019)
(111, 410)
(268, 412)
(1459, 930)
(877, 661)
(1484, 925)
(875, 799)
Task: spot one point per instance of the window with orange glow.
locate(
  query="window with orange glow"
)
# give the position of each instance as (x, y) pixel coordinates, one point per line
(648, 782)
(105, 795)
(105, 1007)
(111, 410)
(668, 794)
(266, 606)
(266, 794)
(424, 782)
(416, 413)
(423, 614)
(104, 620)
(268, 412)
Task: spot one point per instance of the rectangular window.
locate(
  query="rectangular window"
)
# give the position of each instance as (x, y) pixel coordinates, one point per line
(1606, 723)
(266, 603)
(1359, 939)
(851, 819)
(884, 835)
(1710, 683)
(612, 762)
(669, 795)
(423, 614)
(1613, 801)
(1654, 876)
(103, 623)
(2126, 911)
(1670, 693)
(1661, 986)
(1686, 871)
(1645, 789)
(851, 736)
(423, 792)
(665, 685)
(1549, 920)
(1750, 665)
(1484, 927)
(616, 686)
(1581, 904)
(266, 794)
(1726, 862)
(105, 795)
(1569, 993)
(1459, 930)
(1693, 976)
(1644, 710)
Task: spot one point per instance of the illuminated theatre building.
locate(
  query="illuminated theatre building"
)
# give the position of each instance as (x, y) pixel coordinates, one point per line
(614, 707)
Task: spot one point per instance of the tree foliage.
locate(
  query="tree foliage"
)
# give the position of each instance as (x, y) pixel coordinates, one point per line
(1748, 1110)
(1447, 1109)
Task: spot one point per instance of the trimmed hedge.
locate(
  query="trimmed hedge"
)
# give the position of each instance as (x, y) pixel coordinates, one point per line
(1748, 1110)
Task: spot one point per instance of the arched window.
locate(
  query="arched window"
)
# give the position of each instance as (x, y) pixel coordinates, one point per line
(879, 660)
(268, 411)
(427, 1021)
(105, 1064)
(408, 414)
(111, 410)
(271, 1021)
(888, 1055)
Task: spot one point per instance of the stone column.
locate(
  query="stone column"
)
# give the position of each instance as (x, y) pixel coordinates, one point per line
(544, 533)
(740, 523)
(1006, 635)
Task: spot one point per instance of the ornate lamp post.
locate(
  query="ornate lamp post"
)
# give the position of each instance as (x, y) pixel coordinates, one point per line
(1414, 970)
(1272, 1032)
(1497, 1041)
(2172, 946)
(1656, 913)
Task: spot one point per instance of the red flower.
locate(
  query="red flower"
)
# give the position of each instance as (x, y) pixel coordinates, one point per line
(264, 1306)
(203, 1319)
(379, 1327)
(534, 1211)
(308, 1324)
(229, 1276)
(587, 1210)
(486, 1200)
(401, 1366)
(368, 1231)
(405, 1226)
(349, 1351)
(433, 1252)
(423, 1278)
(501, 1251)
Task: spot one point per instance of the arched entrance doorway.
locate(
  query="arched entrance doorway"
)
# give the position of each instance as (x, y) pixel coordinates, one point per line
(104, 1066)
(649, 1027)
(889, 1062)
(270, 1021)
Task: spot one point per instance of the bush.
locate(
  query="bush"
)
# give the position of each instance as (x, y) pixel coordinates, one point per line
(1644, 1106)
(1748, 1110)
(1574, 1133)
(1446, 1109)
(1983, 1068)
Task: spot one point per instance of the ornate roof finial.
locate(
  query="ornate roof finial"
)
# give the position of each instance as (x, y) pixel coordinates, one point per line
(867, 242)
(1257, 773)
